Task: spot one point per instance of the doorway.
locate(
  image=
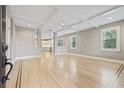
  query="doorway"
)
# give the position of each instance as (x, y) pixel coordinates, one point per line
(48, 45)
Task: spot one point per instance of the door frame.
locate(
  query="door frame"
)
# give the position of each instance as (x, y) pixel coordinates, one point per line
(2, 41)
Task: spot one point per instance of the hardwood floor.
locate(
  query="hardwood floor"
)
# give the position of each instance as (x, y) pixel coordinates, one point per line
(65, 71)
(119, 83)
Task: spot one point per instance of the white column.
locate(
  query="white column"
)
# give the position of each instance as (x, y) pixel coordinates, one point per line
(55, 42)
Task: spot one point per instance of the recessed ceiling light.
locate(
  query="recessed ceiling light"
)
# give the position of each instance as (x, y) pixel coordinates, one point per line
(61, 23)
(110, 18)
(29, 24)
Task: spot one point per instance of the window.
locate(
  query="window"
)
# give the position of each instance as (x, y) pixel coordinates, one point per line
(61, 42)
(73, 40)
(110, 39)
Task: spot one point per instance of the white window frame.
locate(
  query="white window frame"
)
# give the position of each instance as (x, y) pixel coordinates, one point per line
(62, 41)
(71, 42)
(117, 49)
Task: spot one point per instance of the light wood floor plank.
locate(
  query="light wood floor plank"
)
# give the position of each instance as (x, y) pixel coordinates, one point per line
(64, 71)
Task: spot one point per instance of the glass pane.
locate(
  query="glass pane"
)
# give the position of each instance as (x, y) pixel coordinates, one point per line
(73, 42)
(60, 42)
(109, 39)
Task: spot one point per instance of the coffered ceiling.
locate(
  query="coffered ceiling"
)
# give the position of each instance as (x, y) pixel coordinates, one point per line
(65, 19)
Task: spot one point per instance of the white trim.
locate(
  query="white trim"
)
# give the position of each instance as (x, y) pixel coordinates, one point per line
(99, 58)
(118, 39)
(26, 57)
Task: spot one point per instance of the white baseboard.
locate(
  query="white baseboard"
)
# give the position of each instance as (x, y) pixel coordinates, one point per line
(26, 57)
(86, 56)
(98, 58)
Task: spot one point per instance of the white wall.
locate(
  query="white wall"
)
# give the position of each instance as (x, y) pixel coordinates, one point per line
(25, 42)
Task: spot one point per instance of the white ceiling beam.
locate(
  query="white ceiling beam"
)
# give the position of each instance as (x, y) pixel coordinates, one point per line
(93, 23)
(102, 13)
(74, 14)
(28, 19)
(50, 17)
(57, 10)
(88, 19)
(78, 16)
(95, 16)
(70, 13)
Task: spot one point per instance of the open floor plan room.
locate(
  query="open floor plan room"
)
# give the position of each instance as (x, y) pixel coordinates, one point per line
(61, 46)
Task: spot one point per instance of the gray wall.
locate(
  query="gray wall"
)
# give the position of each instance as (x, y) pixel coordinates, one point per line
(89, 43)
(24, 42)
